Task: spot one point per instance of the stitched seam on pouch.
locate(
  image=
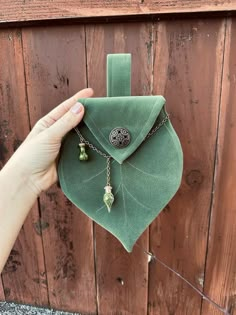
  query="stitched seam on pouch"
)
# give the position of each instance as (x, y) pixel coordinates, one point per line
(143, 172)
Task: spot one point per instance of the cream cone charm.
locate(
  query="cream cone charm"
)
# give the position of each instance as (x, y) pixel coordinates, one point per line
(108, 197)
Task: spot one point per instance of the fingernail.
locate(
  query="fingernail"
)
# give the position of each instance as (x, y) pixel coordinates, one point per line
(76, 109)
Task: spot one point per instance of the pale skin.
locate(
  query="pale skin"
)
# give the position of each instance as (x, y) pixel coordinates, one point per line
(33, 168)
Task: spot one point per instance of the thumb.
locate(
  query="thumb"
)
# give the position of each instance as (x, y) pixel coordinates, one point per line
(68, 121)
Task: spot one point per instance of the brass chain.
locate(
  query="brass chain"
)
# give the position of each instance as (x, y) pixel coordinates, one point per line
(108, 157)
(158, 126)
(91, 146)
(109, 171)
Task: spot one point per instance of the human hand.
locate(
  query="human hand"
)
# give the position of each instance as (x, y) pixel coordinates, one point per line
(36, 158)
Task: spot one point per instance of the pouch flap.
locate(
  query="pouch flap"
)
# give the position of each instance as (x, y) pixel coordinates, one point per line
(137, 114)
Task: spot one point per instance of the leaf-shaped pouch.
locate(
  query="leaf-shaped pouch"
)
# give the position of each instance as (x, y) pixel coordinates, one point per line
(144, 173)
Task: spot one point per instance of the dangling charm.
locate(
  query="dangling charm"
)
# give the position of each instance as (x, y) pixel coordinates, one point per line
(108, 197)
(83, 156)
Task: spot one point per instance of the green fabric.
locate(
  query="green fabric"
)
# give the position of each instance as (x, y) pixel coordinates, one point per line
(104, 114)
(118, 75)
(146, 180)
(145, 175)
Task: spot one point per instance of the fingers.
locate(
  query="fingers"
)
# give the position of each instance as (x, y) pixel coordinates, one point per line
(61, 109)
(55, 114)
(68, 121)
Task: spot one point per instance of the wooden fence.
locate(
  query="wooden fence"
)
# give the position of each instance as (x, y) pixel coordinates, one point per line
(63, 260)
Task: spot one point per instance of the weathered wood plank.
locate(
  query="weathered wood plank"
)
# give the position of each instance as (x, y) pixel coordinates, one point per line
(121, 277)
(187, 71)
(220, 283)
(176, 6)
(24, 273)
(56, 69)
(21, 10)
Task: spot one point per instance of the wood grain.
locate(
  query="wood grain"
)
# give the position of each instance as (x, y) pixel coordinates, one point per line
(38, 10)
(56, 69)
(220, 281)
(188, 58)
(24, 273)
(121, 277)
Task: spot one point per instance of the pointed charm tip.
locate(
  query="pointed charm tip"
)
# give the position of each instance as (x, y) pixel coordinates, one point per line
(108, 197)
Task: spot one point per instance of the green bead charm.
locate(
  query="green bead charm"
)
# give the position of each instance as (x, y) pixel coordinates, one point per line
(83, 156)
(108, 197)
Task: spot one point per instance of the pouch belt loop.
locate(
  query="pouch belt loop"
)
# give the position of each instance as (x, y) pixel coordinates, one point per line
(118, 75)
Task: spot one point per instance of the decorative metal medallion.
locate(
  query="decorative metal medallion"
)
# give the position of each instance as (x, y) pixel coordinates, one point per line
(119, 137)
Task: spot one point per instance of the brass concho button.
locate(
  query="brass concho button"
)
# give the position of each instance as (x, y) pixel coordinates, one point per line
(119, 137)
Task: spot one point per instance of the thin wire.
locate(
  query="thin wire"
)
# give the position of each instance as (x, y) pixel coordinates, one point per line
(205, 297)
(153, 257)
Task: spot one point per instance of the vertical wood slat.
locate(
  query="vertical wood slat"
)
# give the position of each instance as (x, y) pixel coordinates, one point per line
(56, 69)
(187, 70)
(24, 273)
(220, 282)
(121, 277)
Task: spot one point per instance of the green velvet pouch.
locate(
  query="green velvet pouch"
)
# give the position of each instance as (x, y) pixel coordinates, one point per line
(145, 155)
